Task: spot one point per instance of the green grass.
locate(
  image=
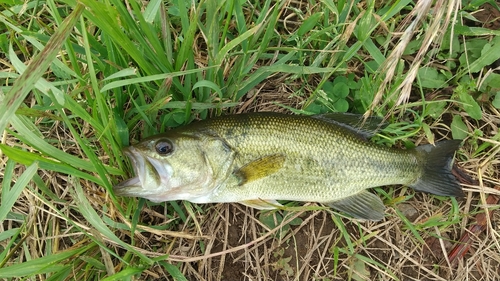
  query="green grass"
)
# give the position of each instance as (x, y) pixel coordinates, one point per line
(80, 80)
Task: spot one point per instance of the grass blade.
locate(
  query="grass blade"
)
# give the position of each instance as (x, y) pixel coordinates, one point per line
(95, 220)
(35, 70)
(10, 195)
(51, 263)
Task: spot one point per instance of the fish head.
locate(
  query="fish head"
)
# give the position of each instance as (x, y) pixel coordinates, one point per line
(176, 167)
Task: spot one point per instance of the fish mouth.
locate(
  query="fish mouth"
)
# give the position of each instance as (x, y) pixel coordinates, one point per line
(150, 175)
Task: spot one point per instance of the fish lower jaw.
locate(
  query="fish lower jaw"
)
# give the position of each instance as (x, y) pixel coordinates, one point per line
(124, 185)
(162, 194)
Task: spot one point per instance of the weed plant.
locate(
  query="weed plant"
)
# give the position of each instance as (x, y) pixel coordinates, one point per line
(80, 80)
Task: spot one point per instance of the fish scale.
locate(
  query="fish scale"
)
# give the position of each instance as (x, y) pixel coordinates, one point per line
(258, 158)
(323, 156)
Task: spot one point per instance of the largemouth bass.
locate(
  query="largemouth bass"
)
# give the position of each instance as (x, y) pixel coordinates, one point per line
(258, 158)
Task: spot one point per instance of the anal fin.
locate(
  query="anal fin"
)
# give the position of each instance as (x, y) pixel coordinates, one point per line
(261, 204)
(363, 205)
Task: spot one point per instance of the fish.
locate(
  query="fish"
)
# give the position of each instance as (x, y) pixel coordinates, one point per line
(257, 159)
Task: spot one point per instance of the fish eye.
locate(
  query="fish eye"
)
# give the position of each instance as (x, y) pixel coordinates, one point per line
(164, 147)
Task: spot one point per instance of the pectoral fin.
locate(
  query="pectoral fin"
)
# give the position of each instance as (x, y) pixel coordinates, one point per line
(260, 168)
(261, 204)
(363, 205)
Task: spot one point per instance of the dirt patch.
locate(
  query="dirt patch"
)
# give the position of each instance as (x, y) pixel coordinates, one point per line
(325, 246)
(287, 253)
(488, 16)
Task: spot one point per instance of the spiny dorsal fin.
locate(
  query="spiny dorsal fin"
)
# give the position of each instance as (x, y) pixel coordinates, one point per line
(363, 205)
(354, 122)
(260, 168)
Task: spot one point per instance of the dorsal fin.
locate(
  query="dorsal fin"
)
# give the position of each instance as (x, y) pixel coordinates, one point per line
(354, 122)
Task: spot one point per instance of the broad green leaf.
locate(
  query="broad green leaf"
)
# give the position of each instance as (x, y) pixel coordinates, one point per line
(359, 270)
(470, 105)
(492, 80)
(340, 90)
(5, 75)
(431, 78)
(496, 100)
(328, 87)
(62, 274)
(436, 109)
(341, 105)
(270, 219)
(489, 54)
(474, 31)
(313, 108)
(459, 130)
(473, 47)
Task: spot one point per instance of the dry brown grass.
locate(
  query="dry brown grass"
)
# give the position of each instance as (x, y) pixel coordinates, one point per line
(239, 247)
(229, 242)
(437, 15)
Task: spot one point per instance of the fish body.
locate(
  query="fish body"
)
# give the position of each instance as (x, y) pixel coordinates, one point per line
(258, 158)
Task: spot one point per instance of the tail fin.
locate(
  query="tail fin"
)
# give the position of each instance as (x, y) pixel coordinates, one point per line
(437, 177)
